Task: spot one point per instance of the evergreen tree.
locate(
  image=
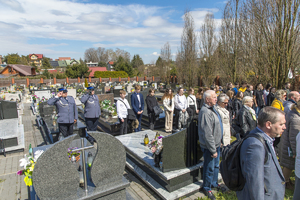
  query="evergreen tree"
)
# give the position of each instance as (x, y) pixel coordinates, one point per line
(136, 61)
(78, 70)
(123, 65)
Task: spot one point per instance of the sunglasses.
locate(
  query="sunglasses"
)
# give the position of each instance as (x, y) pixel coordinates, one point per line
(225, 103)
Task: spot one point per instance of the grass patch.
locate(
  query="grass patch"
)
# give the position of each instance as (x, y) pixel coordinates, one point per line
(2, 180)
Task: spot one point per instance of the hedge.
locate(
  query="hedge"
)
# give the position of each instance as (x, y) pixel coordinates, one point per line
(113, 74)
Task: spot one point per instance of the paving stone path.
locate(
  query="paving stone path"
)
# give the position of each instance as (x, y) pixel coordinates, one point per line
(12, 186)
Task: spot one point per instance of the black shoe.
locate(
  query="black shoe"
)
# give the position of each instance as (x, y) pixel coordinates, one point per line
(220, 188)
(209, 194)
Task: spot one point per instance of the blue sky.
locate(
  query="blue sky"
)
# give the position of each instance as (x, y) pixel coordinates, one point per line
(67, 28)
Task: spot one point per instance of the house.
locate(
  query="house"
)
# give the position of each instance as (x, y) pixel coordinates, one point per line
(109, 66)
(92, 64)
(94, 69)
(36, 59)
(72, 62)
(54, 63)
(18, 70)
(62, 64)
(63, 58)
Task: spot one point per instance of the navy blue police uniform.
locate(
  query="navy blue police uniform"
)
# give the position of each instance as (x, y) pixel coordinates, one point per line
(67, 112)
(92, 110)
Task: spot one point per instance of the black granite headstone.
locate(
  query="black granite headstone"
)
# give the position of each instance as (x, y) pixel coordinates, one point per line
(174, 151)
(9, 109)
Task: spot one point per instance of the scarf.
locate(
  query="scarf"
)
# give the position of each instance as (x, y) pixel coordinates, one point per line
(251, 111)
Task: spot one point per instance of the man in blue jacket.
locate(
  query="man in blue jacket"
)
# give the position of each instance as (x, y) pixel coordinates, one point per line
(92, 109)
(137, 103)
(263, 180)
(67, 111)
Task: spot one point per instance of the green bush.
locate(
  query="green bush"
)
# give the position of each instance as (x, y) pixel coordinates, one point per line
(113, 74)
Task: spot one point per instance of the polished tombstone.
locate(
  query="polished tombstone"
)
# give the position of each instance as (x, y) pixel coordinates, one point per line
(51, 128)
(13, 97)
(46, 110)
(8, 109)
(72, 92)
(12, 135)
(43, 94)
(60, 179)
(174, 179)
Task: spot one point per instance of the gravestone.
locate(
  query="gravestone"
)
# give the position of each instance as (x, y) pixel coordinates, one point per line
(118, 87)
(72, 92)
(8, 109)
(14, 97)
(109, 96)
(55, 177)
(43, 93)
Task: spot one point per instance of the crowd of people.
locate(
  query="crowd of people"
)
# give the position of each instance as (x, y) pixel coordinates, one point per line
(221, 113)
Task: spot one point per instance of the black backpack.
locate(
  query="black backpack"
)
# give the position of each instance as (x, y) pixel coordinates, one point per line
(230, 167)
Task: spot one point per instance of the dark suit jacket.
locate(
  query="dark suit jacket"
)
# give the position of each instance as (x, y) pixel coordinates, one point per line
(252, 156)
(135, 102)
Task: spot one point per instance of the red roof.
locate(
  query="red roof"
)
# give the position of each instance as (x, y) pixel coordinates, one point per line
(64, 58)
(52, 71)
(40, 56)
(111, 62)
(94, 69)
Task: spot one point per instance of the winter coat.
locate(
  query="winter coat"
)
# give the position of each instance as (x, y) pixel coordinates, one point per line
(270, 98)
(288, 139)
(245, 121)
(151, 102)
(237, 105)
(226, 124)
(277, 104)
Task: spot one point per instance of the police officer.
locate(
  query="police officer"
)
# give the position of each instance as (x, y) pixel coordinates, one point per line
(67, 111)
(92, 109)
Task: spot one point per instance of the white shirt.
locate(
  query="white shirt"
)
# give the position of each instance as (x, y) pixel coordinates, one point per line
(167, 105)
(138, 96)
(122, 109)
(180, 102)
(191, 101)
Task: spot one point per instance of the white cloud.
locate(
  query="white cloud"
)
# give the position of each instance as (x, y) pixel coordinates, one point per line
(156, 54)
(107, 26)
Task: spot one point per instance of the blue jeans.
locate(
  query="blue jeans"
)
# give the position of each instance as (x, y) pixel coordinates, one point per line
(257, 109)
(139, 118)
(210, 169)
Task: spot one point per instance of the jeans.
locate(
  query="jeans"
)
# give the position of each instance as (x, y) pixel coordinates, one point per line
(210, 169)
(139, 118)
(257, 109)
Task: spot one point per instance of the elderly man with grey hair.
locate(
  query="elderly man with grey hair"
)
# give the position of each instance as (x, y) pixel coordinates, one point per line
(246, 117)
(224, 113)
(210, 130)
(293, 97)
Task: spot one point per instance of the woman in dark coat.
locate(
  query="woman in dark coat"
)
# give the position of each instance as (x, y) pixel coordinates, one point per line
(229, 106)
(237, 103)
(288, 142)
(271, 96)
(151, 101)
(199, 98)
(246, 117)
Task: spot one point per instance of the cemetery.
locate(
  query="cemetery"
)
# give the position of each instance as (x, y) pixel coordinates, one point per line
(81, 170)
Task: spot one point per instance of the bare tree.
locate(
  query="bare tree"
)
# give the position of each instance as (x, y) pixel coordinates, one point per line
(102, 55)
(166, 57)
(90, 55)
(208, 45)
(187, 54)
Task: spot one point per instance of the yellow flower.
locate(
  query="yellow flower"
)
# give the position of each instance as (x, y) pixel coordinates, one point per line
(31, 168)
(28, 181)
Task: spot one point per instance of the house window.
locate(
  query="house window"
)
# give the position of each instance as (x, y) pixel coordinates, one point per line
(9, 69)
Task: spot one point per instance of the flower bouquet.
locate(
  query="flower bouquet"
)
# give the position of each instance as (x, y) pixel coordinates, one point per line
(28, 163)
(155, 145)
(72, 151)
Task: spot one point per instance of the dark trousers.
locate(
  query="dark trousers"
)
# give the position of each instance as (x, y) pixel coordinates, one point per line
(65, 129)
(91, 124)
(123, 126)
(139, 118)
(151, 117)
(176, 118)
(210, 169)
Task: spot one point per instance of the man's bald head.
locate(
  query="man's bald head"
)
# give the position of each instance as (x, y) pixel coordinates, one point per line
(294, 95)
